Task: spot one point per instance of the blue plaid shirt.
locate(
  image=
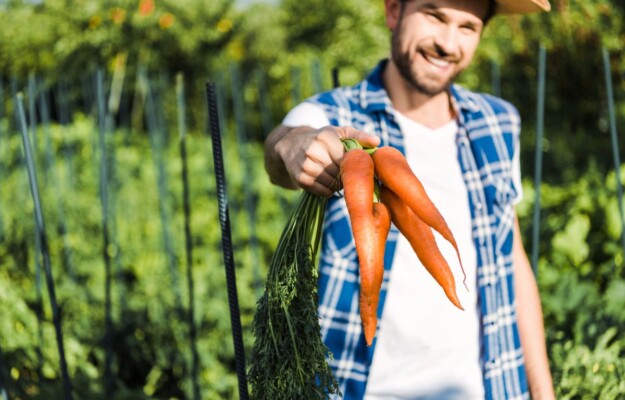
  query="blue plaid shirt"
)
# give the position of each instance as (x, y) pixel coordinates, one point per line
(488, 133)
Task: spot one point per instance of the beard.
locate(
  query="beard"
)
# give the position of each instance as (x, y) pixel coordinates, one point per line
(411, 73)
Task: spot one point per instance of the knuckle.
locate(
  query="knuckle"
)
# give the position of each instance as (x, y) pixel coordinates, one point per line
(330, 132)
(304, 180)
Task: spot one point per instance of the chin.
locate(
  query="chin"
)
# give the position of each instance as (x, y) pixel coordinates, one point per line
(428, 87)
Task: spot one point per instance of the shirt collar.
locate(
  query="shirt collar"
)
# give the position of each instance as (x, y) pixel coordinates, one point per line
(373, 95)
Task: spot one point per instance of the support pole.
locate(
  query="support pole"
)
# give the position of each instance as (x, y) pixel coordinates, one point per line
(182, 128)
(540, 125)
(45, 252)
(226, 240)
(614, 138)
(109, 384)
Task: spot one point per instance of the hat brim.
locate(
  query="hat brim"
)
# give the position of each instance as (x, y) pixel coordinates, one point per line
(521, 6)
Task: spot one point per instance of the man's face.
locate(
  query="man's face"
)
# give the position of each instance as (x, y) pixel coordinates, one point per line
(434, 40)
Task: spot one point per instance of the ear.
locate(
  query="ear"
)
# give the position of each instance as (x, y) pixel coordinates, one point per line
(392, 9)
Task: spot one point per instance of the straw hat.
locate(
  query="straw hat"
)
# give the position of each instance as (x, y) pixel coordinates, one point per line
(521, 6)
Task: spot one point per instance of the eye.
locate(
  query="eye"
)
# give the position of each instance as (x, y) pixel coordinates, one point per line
(469, 28)
(435, 17)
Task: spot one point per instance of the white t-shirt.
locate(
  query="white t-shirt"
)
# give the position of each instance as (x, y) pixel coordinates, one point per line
(426, 348)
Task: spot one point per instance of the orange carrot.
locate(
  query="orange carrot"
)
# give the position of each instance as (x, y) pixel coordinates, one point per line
(394, 172)
(422, 240)
(370, 225)
(369, 301)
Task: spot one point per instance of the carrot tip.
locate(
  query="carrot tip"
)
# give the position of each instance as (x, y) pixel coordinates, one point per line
(455, 301)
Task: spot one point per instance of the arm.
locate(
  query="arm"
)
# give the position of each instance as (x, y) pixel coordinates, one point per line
(530, 322)
(307, 158)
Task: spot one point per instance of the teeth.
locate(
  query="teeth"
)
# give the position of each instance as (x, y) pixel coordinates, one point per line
(438, 62)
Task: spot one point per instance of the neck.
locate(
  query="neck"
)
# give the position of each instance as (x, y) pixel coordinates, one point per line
(431, 111)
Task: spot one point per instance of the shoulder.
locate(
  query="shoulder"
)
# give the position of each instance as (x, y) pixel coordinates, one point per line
(343, 106)
(484, 103)
(339, 97)
(487, 115)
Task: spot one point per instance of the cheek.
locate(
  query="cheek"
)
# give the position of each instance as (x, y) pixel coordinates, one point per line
(469, 48)
(410, 31)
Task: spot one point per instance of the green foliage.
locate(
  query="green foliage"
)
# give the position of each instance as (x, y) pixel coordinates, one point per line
(151, 339)
(581, 273)
(581, 276)
(288, 47)
(65, 36)
(576, 120)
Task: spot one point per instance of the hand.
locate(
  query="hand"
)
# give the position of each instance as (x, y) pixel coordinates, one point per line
(312, 157)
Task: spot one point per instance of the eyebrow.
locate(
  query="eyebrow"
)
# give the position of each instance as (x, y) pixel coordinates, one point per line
(435, 8)
(429, 6)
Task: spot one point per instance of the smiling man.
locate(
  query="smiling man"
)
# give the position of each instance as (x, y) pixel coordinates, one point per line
(464, 148)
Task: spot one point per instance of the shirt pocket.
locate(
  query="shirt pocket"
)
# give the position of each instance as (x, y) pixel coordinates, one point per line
(500, 194)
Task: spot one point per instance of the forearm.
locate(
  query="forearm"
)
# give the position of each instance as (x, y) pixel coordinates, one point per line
(530, 323)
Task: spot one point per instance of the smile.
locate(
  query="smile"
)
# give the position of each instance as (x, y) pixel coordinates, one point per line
(438, 62)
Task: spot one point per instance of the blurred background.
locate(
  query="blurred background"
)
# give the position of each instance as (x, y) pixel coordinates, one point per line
(111, 95)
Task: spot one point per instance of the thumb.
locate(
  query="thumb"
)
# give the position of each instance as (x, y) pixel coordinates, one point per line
(365, 139)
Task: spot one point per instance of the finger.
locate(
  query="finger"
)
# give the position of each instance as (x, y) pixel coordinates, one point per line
(308, 183)
(316, 172)
(330, 138)
(365, 139)
(321, 190)
(325, 160)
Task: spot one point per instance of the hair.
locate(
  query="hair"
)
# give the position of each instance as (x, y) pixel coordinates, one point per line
(490, 11)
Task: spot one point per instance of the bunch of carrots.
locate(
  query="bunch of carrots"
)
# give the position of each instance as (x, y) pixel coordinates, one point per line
(380, 188)
(288, 358)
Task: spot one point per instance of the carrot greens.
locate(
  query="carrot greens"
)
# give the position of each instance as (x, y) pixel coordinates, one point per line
(288, 358)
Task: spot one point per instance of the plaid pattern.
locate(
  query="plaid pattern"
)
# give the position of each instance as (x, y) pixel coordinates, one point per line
(488, 132)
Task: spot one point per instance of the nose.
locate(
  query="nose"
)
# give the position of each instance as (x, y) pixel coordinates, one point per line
(446, 42)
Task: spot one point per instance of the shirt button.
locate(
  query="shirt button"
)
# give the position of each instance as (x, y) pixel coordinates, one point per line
(478, 206)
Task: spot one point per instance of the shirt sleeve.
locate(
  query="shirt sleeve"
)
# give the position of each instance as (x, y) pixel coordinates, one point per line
(306, 114)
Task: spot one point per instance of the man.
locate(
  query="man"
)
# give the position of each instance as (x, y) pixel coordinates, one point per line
(464, 148)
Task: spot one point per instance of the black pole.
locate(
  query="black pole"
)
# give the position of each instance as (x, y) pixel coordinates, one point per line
(195, 360)
(34, 188)
(226, 240)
